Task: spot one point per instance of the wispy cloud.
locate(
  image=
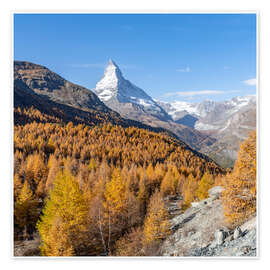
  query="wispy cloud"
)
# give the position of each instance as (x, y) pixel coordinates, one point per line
(198, 93)
(187, 69)
(252, 81)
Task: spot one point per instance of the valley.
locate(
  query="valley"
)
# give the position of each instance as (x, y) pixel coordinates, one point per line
(149, 154)
(113, 172)
(213, 128)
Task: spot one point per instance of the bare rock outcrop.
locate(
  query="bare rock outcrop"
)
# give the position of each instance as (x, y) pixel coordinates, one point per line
(194, 228)
(201, 231)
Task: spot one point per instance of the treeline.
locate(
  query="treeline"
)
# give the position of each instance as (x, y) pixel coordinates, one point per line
(101, 188)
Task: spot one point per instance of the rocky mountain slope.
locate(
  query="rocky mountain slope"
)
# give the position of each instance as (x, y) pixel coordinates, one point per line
(201, 231)
(38, 87)
(236, 129)
(132, 102)
(229, 122)
(47, 83)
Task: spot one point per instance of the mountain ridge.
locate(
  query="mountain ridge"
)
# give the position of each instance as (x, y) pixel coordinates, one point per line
(36, 88)
(213, 128)
(132, 102)
(229, 122)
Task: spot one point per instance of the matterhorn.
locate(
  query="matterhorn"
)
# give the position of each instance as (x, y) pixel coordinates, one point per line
(124, 97)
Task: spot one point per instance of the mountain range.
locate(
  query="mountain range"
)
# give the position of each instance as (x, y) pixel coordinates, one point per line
(229, 122)
(41, 89)
(212, 128)
(131, 102)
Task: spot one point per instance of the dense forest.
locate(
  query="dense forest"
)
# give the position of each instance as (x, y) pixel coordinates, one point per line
(99, 190)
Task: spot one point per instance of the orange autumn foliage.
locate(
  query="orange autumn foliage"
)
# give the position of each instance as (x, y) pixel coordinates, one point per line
(239, 197)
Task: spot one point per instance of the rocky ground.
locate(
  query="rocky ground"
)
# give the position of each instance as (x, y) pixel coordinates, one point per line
(27, 247)
(245, 245)
(201, 231)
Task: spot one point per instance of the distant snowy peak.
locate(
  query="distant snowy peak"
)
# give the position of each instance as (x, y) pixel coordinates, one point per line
(184, 106)
(241, 101)
(174, 108)
(203, 108)
(114, 86)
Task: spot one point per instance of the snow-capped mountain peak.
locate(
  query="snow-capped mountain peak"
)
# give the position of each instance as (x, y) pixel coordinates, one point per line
(112, 71)
(114, 88)
(107, 86)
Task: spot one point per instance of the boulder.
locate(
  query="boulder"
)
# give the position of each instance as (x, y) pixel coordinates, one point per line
(195, 204)
(237, 233)
(220, 236)
(229, 238)
(215, 192)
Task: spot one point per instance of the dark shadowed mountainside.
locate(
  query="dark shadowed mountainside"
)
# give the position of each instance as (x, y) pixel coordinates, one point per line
(61, 101)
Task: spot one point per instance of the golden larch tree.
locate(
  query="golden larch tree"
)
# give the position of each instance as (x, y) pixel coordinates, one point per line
(25, 210)
(115, 194)
(65, 210)
(239, 197)
(156, 225)
(204, 185)
(189, 190)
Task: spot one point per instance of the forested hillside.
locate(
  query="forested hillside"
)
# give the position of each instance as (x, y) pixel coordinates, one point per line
(118, 175)
(41, 95)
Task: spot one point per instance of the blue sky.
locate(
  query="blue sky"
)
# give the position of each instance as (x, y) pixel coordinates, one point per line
(188, 57)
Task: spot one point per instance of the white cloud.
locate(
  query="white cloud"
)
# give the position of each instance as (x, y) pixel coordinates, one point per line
(252, 81)
(187, 69)
(199, 93)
